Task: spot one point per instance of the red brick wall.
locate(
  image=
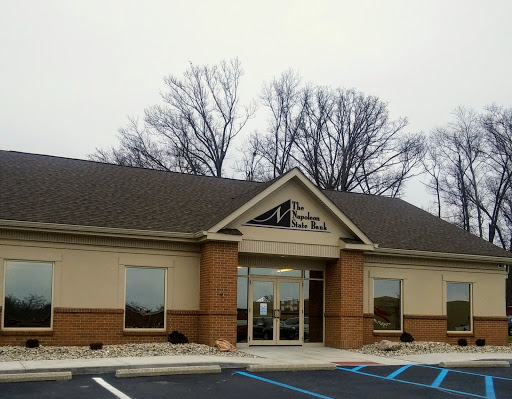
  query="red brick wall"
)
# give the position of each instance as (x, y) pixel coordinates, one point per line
(493, 329)
(184, 321)
(85, 326)
(344, 301)
(218, 285)
(433, 328)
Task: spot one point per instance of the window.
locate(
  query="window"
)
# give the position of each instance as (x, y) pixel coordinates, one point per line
(387, 305)
(28, 294)
(145, 298)
(458, 306)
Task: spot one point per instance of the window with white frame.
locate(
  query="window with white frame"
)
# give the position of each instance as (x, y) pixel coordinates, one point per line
(28, 294)
(458, 306)
(387, 305)
(145, 297)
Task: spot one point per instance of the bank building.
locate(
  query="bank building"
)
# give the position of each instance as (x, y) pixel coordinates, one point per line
(92, 252)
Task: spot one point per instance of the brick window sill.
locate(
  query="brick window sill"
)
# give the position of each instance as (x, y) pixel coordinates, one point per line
(460, 334)
(145, 332)
(27, 332)
(388, 334)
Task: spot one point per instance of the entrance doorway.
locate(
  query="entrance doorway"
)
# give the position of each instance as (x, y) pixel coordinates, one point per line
(276, 314)
(280, 306)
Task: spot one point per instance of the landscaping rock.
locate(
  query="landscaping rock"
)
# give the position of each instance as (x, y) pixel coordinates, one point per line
(386, 345)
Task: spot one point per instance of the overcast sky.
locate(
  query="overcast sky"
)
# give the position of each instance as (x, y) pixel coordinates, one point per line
(72, 71)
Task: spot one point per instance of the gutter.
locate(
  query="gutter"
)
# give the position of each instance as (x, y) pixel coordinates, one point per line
(444, 255)
(94, 230)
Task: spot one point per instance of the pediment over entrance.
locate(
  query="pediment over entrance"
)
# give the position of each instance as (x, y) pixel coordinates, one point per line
(293, 210)
(290, 214)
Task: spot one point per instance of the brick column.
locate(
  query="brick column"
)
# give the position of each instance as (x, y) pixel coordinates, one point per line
(344, 301)
(217, 297)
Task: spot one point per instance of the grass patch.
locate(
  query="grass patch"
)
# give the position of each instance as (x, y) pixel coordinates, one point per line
(510, 340)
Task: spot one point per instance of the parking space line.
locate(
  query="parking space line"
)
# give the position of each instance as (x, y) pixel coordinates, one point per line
(489, 388)
(439, 380)
(397, 372)
(417, 384)
(317, 395)
(462, 372)
(110, 388)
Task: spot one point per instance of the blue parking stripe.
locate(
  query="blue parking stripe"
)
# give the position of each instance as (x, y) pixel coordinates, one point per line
(417, 384)
(317, 395)
(396, 372)
(462, 372)
(439, 380)
(358, 368)
(489, 388)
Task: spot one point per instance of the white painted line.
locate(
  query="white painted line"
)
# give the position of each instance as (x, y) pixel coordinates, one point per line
(110, 388)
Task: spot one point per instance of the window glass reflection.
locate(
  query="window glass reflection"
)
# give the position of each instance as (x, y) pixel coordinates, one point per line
(458, 306)
(28, 294)
(145, 297)
(387, 305)
(283, 272)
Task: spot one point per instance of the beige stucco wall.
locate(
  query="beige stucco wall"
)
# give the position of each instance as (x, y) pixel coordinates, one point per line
(87, 276)
(292, 190)
(424, 284)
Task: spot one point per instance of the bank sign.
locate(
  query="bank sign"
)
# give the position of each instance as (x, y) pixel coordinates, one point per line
(289, 215)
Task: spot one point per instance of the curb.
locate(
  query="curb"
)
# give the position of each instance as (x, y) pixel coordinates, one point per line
(476, 363)
(27, 377)
(82, 370)
(156, 371)
(291, 367)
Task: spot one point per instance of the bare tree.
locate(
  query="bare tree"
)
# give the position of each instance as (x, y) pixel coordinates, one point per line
(193, 129)
(138, 147)
(252, 163)
(347, 142)
(497, 123)
(432, 164)
(473, 170)
(460, 155)
(282, 98)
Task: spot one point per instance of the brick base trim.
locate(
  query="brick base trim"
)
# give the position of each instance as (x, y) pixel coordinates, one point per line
(433, 328)
(184, 321)
(82, 326)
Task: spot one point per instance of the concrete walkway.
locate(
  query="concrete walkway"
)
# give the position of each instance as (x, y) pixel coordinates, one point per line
(291, 354)
(267, 356)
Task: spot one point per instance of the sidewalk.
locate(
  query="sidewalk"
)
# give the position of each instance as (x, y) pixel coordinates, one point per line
(267, 356)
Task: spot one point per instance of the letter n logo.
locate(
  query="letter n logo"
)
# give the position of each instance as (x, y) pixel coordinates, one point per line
(278, 216)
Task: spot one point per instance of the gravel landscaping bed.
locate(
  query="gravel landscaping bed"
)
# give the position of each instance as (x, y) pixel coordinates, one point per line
(421, 348)
(13, 353)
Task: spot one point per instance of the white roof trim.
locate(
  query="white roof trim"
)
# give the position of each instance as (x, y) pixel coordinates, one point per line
(95, 230)
(293, 174)
(445, 255)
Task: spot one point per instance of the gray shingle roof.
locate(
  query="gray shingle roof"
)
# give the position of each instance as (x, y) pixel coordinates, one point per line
(48, 189)
(394, 223)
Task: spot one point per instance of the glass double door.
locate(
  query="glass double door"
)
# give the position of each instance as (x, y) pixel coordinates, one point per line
(276, 312)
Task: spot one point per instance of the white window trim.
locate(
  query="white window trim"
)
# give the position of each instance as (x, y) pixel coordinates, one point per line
(471, 294)
(52, 297)
(401, 304)
(132, 329)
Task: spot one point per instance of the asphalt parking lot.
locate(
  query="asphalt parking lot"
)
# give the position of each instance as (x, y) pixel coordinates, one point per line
(345, 382)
